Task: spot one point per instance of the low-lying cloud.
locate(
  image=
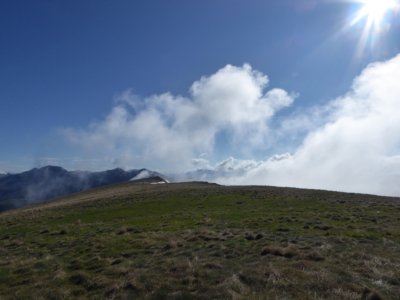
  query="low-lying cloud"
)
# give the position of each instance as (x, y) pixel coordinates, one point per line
(354, 147)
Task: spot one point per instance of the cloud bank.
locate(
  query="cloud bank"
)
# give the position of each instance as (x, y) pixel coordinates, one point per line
(354, 147)
(357, 150)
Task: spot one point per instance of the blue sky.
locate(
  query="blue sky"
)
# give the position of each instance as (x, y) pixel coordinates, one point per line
(67, 64)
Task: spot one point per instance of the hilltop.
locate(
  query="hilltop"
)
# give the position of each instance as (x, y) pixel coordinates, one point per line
(202, 241)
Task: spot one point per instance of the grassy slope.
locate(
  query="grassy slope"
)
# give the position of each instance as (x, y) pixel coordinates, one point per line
(198, 241)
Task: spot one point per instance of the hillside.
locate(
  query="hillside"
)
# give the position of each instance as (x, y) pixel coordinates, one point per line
(202, 241)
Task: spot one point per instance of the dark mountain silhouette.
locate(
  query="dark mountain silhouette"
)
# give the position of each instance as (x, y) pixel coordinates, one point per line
(39, 185)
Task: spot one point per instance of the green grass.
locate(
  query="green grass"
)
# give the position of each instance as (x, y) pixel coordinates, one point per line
(198, 241)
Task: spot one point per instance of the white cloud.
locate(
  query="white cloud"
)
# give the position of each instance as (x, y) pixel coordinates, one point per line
(142, 175)
(232, 165)
(167, 132)
(357, 149)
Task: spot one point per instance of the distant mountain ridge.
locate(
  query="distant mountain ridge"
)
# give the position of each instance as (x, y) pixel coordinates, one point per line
(42, 184)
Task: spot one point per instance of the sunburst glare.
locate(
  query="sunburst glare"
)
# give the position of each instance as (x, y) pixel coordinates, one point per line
(376, 15)
(375, 11)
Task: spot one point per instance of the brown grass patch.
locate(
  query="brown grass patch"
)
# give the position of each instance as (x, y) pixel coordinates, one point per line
(287, 252)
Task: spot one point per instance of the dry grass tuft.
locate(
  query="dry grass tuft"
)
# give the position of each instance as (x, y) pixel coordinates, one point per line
(369, 294)
(313, 255)
(287, 252)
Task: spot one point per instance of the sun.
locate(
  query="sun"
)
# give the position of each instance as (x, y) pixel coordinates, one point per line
(375, 11)
(376, 17)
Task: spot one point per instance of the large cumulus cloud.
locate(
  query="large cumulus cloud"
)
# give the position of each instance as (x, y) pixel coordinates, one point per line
(167, 132)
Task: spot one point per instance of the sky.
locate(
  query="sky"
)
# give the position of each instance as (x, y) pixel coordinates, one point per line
(298, 93)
